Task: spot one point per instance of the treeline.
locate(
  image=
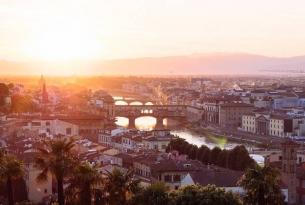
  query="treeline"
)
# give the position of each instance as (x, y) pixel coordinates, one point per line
(85, 185)
(158, 194)
(237, 158)
(261, 186)
(20, 103)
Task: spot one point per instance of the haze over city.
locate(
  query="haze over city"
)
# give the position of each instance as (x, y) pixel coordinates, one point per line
(182, 36)
(152, 102)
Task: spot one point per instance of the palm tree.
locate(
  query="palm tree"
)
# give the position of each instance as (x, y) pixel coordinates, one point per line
(83, 183)
(261, 185)
(119, 186)
(11, 168)
(56, 159)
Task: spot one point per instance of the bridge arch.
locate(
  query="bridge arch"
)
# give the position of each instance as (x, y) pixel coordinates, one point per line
(133, 101)
(122, 121)
(148, 103)
(120, 102)
(160, 112)
(150, 122)
(136, 102)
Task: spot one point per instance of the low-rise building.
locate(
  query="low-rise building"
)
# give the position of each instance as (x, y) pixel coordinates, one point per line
(159, 143)
(52, 126)
(279, 125)
(230, 114)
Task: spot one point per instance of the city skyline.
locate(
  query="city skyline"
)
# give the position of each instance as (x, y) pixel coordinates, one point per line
(141, 102)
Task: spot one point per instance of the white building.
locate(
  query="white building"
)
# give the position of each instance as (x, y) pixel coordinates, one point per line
(248, 123)
(156, 143)
(273, 124)
(52, 126)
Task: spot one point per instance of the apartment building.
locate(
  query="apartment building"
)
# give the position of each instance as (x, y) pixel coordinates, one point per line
(230, 114)
(279, 125)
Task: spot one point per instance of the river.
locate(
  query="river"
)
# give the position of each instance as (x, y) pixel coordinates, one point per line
(148, 123)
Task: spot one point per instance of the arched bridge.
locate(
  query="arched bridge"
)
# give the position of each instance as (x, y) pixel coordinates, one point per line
(132, 100)
(158, 111)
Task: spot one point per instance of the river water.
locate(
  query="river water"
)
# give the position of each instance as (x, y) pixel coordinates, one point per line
(148, 123)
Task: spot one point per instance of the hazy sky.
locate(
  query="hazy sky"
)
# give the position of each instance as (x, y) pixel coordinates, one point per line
(71, 29)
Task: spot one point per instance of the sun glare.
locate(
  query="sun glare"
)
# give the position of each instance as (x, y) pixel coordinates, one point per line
(62, 43)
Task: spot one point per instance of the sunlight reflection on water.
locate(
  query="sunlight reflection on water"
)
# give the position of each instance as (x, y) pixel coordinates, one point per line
(148, 123)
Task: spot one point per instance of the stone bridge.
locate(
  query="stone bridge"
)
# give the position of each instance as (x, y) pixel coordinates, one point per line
(131, 100)
(158, 111)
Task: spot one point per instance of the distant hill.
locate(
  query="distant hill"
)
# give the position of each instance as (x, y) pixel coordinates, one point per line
(219, 63)
(205, 64)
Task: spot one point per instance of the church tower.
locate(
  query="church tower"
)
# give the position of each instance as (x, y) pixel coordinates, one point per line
(289, 163)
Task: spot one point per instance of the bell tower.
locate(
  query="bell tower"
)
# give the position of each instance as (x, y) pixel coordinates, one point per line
(289, 163)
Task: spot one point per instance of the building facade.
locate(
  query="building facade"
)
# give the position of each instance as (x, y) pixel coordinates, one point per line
(230, 114)
(272, 124)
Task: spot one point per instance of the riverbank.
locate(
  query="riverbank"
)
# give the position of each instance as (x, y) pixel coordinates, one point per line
(238, 137)
(214, 135)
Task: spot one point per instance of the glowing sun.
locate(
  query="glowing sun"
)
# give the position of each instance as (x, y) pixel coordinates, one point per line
(62, 42)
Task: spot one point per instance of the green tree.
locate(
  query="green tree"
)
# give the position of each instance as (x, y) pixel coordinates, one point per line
(192, 151)
(215, 152)
(56, 158)
(156, 194)
(83, 183)
(261, 185)
(209, 195)
(239, 158)
(22, 103)
(178, 144)
(120, 187)
(222, 159)
(10, 169)
(204, 154)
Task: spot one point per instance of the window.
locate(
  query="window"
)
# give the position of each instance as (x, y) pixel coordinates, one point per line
(68, 131)
(177, 178)
(167, 178)
(187, 165)
(36, 124)
(47, 123)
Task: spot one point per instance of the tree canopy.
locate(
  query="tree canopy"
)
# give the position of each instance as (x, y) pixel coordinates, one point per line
(262, 187)
(199, 195)
(156, 194)
(237, 158)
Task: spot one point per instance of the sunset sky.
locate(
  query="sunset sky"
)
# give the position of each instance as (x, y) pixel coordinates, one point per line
(61, 30)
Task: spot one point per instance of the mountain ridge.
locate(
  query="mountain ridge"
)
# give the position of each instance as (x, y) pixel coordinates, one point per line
(219, 63)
